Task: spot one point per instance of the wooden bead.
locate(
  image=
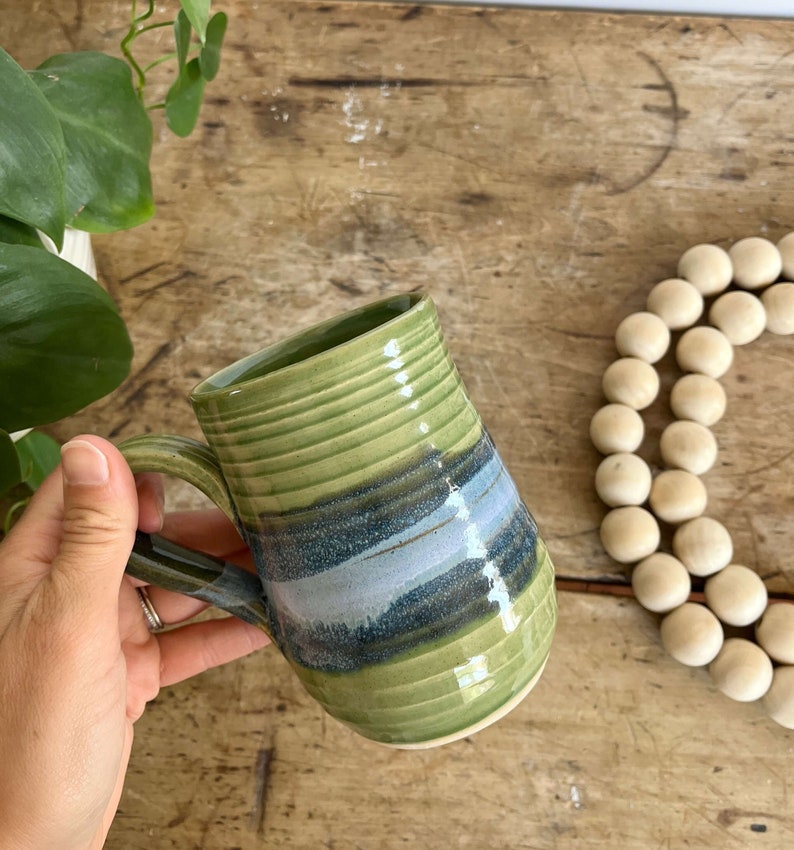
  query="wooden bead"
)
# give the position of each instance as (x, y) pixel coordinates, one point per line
(623, 479)
(688, 445)
(778, 302)
(677, 495)
(692, 634)
(632, 382)
(616, 428)
(756, 262)
(703, 546)
(775, 632)
(677, 303)
(739, 315)
(786, 248)
(707, 267)
(705, 350)
(742, 670)
(779, 699)
(642, 335)
(698, 397)
(629, 534)
(737, 595)
(661, 582)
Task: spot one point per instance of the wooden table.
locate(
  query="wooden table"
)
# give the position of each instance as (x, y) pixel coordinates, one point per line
(537, 172)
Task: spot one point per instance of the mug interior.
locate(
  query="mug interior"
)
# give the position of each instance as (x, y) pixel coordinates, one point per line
(311, 342)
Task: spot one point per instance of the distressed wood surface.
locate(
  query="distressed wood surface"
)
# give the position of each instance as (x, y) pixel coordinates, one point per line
(537, 172)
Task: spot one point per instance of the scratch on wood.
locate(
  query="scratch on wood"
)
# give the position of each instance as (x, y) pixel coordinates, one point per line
(141, 272)
(145, 293)
(264, 758)
(137, 394)
(345, 80)
(347, 286)
(578, 334)
(675, 115)
(114, 432)
(731, 33)
(139, 390)
(158, 355)
(413, 12)
(72, 30)
(727, 817)
(350, 81)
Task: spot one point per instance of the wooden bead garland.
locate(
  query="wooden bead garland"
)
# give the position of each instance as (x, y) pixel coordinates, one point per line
(661, 583)
(786, 248)
(688, 445)
(623, 479)
(778, 302)
(735, 596)
(632, 382)
(676, 302)
(775, 633)
(756, 262)
(742, 670)
(705, 350)
(739, 315)
(677, 495)
(692, 634)
(642, 335)
(708, 268)
(630, 534)
(616, 428)
(703, 545)
(699, 398)
(779, 699)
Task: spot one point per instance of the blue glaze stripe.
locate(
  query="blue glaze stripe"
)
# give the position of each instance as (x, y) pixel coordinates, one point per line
(471, 553)
(409, 504)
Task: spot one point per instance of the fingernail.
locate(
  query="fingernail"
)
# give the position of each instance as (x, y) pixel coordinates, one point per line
(84, 464)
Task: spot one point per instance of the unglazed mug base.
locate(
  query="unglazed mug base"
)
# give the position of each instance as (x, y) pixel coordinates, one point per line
(512, 703)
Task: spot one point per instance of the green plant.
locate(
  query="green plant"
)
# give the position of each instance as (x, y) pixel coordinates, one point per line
(75, 147)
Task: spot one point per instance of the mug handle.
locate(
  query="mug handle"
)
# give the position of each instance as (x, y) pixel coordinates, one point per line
(173, 567)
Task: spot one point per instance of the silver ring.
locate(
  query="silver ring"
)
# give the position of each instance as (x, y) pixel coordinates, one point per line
(153, 621)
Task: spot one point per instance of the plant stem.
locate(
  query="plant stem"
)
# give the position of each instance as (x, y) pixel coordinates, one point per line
(133, 32)
(14, 509)
(157, 26)
(166, 58)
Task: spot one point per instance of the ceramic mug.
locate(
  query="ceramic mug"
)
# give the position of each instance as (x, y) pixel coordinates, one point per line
(399, 571)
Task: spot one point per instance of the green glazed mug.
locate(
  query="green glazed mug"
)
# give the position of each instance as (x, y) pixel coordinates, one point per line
(398, 570)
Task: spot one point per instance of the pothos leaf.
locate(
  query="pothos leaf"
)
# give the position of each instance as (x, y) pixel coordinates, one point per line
(210, 55)
(183, 101)
(32, 154)
(38, 456)
(182, 38)
(198, 13)
(16, 231)
(63, 343)
(108, 139)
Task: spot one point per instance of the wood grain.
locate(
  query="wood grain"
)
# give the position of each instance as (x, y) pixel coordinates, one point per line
(537, 172)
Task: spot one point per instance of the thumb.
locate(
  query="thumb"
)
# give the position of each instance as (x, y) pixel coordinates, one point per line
(100, 514)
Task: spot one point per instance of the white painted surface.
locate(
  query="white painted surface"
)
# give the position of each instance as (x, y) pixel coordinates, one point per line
(754, 8)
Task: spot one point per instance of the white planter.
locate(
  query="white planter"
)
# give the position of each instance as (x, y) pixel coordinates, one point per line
(76, 249)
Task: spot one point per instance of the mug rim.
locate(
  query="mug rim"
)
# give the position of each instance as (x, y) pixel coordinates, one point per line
(209, 387)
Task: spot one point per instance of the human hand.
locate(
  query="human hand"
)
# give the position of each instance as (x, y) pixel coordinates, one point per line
(77, 661)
